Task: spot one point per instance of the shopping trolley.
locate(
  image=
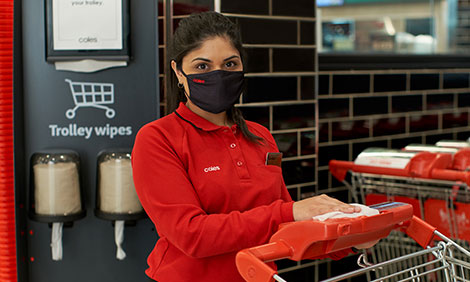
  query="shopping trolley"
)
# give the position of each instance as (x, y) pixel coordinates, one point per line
(89, 94)
(311, 238)
(435, 184)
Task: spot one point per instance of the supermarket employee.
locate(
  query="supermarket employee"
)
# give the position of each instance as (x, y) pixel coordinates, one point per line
(208, 179)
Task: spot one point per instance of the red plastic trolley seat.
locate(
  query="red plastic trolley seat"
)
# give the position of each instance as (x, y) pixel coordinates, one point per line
(461, 160)
(311, 238)
(460, 155)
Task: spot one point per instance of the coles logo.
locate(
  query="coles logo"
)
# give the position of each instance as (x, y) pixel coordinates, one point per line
(199, 80)
(212, 168)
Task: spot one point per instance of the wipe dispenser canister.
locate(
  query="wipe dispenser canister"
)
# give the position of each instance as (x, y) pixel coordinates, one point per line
(55, 196)
(116, 198)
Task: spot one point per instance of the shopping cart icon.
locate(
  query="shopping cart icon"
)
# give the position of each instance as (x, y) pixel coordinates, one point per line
(90, 94)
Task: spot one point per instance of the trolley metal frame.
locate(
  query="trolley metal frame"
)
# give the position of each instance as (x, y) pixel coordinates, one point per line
(452, 192)
(397, 245)
(431, 264)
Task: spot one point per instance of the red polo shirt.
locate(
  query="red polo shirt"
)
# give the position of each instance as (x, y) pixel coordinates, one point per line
(209, 193)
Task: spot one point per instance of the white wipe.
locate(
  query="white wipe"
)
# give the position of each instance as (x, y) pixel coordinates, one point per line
(56, 240)
(119, 238)
(365, 211)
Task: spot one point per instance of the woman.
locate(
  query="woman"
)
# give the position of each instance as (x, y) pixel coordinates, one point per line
(203, 174)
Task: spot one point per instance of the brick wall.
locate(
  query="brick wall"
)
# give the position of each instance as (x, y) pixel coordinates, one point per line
(388, 108)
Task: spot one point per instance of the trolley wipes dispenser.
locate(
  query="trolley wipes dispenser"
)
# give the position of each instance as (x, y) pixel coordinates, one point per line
(55, 194)
(116, 198)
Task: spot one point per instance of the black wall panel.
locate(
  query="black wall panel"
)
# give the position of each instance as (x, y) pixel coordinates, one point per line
(89, 251)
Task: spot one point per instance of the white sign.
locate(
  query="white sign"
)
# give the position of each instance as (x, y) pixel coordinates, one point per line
(87, 24)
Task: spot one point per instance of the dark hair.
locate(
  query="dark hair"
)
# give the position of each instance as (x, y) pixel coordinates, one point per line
(189, 35)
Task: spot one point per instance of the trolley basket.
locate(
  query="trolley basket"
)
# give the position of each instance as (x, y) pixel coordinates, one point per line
(435, 184)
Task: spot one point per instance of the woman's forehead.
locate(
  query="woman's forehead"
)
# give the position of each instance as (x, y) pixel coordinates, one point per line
(214, 48)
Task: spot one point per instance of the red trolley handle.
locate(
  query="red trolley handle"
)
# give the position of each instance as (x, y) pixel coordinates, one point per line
(339, 169)
(309, 239)
(452, 175)
(251, 262)
(418, 229)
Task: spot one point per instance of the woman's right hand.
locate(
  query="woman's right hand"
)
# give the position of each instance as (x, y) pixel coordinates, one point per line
(310, 207)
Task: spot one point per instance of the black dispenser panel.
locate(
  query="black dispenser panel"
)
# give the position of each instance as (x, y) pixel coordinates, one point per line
(86, 113)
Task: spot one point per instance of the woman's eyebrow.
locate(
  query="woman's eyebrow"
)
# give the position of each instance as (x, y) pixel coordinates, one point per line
(201, 59)
(231, 57)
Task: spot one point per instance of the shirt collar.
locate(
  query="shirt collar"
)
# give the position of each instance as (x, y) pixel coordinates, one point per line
(195, 120)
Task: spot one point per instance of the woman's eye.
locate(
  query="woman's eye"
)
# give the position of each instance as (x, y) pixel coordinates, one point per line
(201, 66)
(230, 64)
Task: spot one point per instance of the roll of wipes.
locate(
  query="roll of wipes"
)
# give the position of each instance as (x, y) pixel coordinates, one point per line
(116, 190)
(57, 189)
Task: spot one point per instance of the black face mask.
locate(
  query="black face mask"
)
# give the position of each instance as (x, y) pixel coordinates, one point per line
(215, 91)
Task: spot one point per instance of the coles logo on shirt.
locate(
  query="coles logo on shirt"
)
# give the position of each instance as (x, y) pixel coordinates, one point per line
(212, 168)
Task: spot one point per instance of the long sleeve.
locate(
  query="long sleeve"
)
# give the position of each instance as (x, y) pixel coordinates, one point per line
(170, 199)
